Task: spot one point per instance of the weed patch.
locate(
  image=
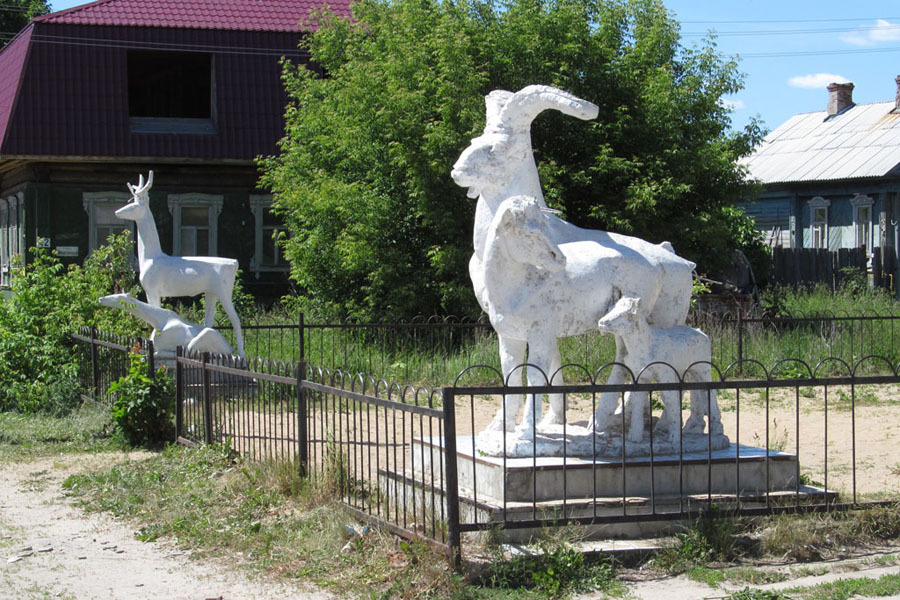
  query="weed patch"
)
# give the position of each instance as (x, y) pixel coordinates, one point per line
(843, 589)
(87, 429)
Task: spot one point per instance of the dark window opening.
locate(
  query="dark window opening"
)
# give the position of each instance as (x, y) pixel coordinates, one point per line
(170, 85)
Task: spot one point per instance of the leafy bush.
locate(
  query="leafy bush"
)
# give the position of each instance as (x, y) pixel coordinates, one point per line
(143, 406)
(49, 301)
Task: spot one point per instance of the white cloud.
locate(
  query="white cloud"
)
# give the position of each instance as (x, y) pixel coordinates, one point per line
(816, 81)
(732, 104)
(882, 31)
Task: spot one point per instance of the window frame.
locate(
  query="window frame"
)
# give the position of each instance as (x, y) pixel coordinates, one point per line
(91, 201)
(170, 124)
(818, 204)
(259, 203)
(861, 201)
(212, 202)
(12, 234)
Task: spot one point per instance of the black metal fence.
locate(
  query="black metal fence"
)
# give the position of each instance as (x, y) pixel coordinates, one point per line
(430, 352)
(408, 459)
(103, 358)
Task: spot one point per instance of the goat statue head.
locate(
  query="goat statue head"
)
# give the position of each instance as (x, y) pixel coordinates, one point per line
(499, 163)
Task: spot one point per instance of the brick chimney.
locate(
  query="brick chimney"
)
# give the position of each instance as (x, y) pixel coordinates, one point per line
(840, 96)
(897, 98)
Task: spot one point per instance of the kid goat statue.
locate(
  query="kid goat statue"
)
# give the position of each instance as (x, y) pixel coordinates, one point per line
(498, 165)
(662, 355)
(163, 276)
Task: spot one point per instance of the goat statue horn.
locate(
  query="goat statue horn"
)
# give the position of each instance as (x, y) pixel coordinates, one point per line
(526, 104)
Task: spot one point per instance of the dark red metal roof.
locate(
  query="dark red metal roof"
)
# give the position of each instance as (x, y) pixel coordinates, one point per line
(12, 61)
(239, 15)
(64, 79)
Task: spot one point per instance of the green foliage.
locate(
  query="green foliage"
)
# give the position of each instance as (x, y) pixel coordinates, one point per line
(49, 301)
(16, 14)
(555, 570)
(713, 538)
(755, 594)
(143, 406)
(854, 297)
(379, 230)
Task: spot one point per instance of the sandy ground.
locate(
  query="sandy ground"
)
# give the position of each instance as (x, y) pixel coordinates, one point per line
(50, 549)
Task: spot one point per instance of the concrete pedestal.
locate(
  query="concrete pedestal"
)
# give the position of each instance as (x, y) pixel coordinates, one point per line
(494, 489)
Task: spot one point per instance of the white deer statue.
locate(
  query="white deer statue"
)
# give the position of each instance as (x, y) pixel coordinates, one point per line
(164, 276)
(169, 329)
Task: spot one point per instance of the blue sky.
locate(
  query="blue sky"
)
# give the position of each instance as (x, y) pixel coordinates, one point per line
(790, 50)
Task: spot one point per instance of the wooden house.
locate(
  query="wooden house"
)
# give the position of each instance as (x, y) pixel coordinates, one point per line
(831, 178)
(93, 96)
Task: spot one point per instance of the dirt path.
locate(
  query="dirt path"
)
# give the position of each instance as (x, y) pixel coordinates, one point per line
(50, 549)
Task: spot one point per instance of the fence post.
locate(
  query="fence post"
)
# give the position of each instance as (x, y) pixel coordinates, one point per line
(740, 340)
(207, 402)
(179, 394)
(452, 481)
(95, 365)
(302, 433)
(151, 360)
(302, 325)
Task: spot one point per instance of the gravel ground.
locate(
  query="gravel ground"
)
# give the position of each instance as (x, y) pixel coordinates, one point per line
(51, 549)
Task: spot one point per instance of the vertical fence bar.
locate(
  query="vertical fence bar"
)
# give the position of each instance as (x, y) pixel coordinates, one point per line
(151, 360)
(740, 339)
(179, 393)
(453, 536)
(302, 434)
(95, 365)
(207, 402)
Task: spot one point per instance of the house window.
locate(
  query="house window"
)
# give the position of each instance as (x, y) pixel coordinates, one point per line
(171, 92)
(818, 222)
(195, 219)
(862, 221)
(101, 208)
(12, 214)
(267, 254)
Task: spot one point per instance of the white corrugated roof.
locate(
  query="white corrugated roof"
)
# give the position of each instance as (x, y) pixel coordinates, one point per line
(863, 141)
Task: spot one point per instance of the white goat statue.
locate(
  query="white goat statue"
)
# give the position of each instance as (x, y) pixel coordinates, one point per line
(498, 165)
(662, 355)
(538, 290)
(165, 276)
(169, 329)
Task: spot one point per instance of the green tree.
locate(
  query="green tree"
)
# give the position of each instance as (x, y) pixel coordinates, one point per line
(378, 229)
(16, 14)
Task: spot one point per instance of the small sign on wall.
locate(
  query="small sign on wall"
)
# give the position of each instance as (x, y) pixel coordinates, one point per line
(43, 242)
(67, 250)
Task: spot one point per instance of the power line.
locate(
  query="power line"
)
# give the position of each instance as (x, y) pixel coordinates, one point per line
(764, 32)
(746, 22)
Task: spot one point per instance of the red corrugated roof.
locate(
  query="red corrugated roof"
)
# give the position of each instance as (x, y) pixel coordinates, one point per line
(239, 15)
(12, 62)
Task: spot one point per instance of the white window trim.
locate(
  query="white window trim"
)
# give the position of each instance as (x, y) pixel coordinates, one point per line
(4, 242)
(211, 201)
(13, 240)
(818, 202)
(861, 200)
(90, 200)
(258, 205)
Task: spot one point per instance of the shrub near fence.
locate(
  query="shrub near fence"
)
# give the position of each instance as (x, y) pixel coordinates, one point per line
(103, 359)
